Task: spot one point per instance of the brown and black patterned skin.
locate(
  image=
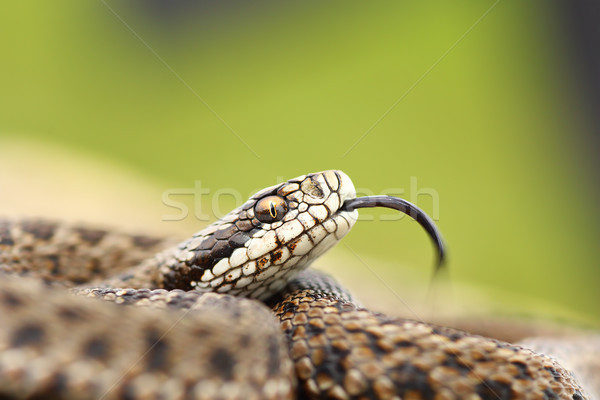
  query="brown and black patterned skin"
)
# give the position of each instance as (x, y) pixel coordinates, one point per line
(341, 351)
(63, 254)
(53, 345)
(170, 338)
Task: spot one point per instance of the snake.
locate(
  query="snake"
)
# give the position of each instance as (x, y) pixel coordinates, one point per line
(235, 312)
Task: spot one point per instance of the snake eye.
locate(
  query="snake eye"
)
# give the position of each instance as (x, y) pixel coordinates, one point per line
(270, 209)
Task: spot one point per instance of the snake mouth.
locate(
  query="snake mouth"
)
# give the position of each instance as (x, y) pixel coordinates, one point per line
(407, 208)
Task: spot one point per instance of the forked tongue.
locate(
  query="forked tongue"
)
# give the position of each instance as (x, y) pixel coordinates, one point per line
(409, 209)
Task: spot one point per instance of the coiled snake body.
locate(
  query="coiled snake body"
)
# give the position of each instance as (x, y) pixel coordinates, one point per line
(193, 328)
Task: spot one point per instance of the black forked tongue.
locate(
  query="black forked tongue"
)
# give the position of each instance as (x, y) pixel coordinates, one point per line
(407, 208)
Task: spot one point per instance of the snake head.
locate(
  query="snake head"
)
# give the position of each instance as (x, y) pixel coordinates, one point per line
(257, 248)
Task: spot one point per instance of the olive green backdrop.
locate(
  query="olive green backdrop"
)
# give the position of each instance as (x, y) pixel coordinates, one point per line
(470, 100)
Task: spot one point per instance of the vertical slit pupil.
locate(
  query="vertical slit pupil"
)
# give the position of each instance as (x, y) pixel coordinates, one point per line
(272, 209)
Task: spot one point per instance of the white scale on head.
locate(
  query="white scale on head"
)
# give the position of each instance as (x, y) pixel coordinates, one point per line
(311, 224)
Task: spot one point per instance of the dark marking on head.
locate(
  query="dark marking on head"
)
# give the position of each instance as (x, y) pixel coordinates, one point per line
(208, 243)
(226, 233)
(254, 231)
(221, 250)
(26, 335)
(578, 396)
(244, 225)
(238, 240)
(92, 236)
(223, 363)
(158, 354)
(209, 253)
(202, 258)
(97, 348)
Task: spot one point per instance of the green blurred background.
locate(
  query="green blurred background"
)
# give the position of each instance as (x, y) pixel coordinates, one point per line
(477, 101)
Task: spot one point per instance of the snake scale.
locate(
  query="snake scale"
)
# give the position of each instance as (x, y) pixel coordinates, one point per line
(233, 313)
